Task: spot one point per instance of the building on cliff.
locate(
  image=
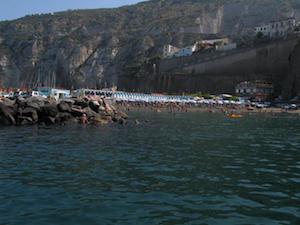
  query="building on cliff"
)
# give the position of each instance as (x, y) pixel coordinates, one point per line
(257, 90)
(169, 51)
(221, 44)
(276, 29)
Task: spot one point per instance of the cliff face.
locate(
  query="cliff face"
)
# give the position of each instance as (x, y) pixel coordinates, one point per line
(292, 82)
(220, 72)
(94, 48)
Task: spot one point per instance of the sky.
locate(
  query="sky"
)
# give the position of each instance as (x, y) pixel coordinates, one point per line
(13, 9)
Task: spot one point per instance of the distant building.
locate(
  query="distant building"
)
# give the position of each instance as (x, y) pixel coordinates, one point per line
(258, 90)
(186, 51)
(53, 92)
(221, 44)
(219, 41)
(276, 29)
(169, 51)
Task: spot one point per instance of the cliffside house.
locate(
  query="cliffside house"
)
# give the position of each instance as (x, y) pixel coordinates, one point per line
(169, 51)
(276, 29)
(172, 51)
(257, 90)
(221, 44)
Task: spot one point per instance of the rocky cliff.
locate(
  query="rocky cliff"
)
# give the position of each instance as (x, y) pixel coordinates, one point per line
(292, 82)
(96, 48)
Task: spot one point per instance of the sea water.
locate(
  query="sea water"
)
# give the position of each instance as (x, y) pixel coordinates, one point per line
(192, 168)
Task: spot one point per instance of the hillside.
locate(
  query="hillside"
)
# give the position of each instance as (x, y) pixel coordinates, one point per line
(95, 48)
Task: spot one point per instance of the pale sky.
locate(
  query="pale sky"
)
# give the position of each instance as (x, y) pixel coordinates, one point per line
(13, 9)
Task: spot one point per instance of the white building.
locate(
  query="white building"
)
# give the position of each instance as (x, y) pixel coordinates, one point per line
(169, 51)
(221, 44)
(53, 92)
(276, 29)
(219, 41)
(186, 51)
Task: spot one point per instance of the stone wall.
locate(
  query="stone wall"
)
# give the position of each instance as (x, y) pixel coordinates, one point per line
(292, 83)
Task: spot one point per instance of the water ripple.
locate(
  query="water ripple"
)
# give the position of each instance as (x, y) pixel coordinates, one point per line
(177, 169)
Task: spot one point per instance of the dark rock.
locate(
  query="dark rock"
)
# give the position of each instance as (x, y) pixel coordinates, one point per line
(81, 102)
(49, 111)
(122, 114)
(35, 110)
(97, 119)
(50, 101)
(64, 117)
(76, 112)
(116, 118)
(23, 120)
(70, 102)
(64, 107)
(94, 105)
(35, 102)
(21, 102)
(89, 112)
(107, 118)
(122, 121)
(119, 115)
(8, 103)
(49, 120)
(30, 112)
(6, 118)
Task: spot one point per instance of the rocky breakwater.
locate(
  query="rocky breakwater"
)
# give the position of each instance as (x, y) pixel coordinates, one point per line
(36, 110)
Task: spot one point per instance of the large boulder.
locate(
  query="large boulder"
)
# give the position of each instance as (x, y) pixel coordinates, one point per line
(50, 101)
(64, 107)
(20, 101)
(98, 120)
(81, 102)
(35, 102)
(31, 113)
(70, 102)
(94, 105)
(101, 109)
(49, 120)
(49, 111)
(89, 112)
(122, 114)
(6, 118)
(8, 102)
(64, 116)
(76, 112)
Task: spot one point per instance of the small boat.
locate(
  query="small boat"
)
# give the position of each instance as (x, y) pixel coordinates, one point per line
(235, 116)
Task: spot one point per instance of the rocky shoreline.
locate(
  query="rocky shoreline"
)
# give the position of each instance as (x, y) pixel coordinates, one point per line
(37, 110)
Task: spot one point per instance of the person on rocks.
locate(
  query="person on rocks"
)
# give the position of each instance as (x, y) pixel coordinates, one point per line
(84, 119)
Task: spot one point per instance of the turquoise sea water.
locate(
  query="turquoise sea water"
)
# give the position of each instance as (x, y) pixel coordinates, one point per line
(173, 169)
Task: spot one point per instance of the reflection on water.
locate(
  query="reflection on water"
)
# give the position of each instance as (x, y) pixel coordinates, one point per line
(174, 169)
